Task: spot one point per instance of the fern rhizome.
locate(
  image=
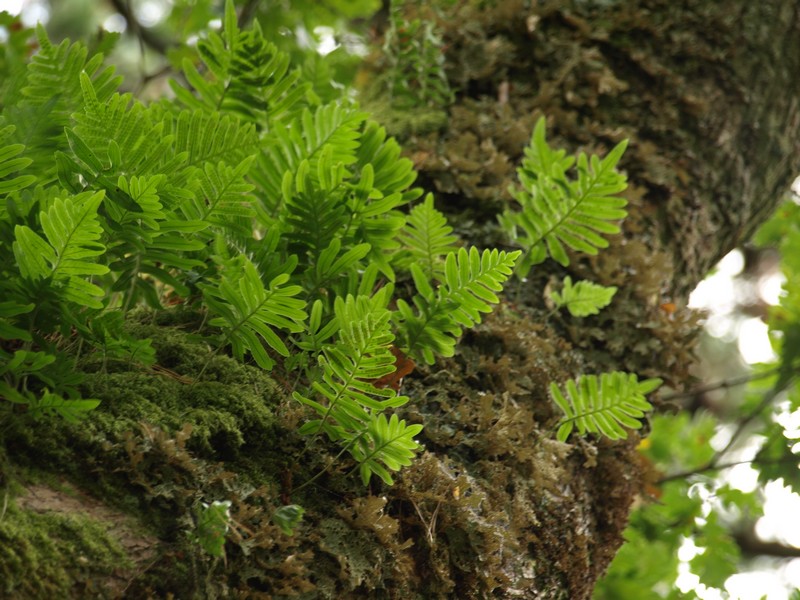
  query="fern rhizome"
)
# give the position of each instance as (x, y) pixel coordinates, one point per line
(286, 221)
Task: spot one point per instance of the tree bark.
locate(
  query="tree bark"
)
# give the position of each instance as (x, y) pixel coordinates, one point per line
(708, 94)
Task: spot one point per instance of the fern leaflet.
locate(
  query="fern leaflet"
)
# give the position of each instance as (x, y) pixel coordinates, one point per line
(558, 213)
(470, 280)
(9, 164)
(350, 407)
(428, 237)
(248, 311)
(606, 405)
(584, 298)
(72, 232)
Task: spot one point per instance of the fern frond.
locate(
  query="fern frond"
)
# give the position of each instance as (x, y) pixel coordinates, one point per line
(208, 138)
(118, 135)
(72, 230)
(222, 197)
(313, 215)
(428, 238)
(247, 76)
(8, 326)
(470, 281)
(248, 312)
(11, 162)
(558, 213)
(392, 172)
(334, 126)
(584, 298)
(606, 405)
(147, 239)
(51, 94)
(349, 405)
(386, 445)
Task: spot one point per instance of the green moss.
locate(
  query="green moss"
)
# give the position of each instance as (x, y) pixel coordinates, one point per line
(55, 555)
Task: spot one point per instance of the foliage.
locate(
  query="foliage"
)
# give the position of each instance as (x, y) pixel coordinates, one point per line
(558, 213)
(247, 197)
(213, 522)
(414, 52)
(584, 298)
(604, 405)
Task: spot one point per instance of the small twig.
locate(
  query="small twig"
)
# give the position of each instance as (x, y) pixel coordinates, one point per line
(145, 36)
(728, 383)
(722, 466)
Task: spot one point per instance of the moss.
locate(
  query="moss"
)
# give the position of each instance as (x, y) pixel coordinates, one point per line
(56, 555)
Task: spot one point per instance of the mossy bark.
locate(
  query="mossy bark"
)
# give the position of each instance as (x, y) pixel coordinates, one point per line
(708, 94)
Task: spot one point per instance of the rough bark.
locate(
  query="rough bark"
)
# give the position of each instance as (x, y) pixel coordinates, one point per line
(708, 94)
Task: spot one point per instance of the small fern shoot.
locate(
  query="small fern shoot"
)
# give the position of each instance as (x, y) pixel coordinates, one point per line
(604, 405)
(559, 213)
(428, 238)
(68, 255)
(248, 311)
(470, 281)
(348, 403)
(584, 298)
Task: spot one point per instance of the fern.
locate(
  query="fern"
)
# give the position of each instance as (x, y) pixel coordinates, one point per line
(349, 405)
(222, 197)
(385, 446)
(414, 50)
(584, 298)
(51, 93)
(11, 162)
(72, 232)
(248, 311)
(468, 289)
(606, 406)
(428, 238)
(333, 126)
(247, 76)
(559, 213)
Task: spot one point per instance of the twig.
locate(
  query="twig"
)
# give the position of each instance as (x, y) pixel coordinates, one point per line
(728, 383)
(146, 36)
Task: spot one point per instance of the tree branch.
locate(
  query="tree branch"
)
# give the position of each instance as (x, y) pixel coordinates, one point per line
(145, 35)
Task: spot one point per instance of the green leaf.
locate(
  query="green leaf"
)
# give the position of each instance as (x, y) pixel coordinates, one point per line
(584, 298)
(72, 230)
(288, 517)
(387, 445)
(249, 313)
(471, 279)
(604, 405)
(213, 523)
(429, 238)
(558, 213)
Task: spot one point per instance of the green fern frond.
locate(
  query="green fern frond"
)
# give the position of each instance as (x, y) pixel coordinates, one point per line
(606, 406)
(428, 238)
(559, 213)
(470, 281)
(360, 355)
(222, 197)
(11, 162)
(584, 298)
(51, 94)
(247, 76)
(149, 240)
(208, 138)
(8, 324)
(386, 445)
(349, 405)
(334, 126)
(72, 231)
(392, 172)
(248, 312)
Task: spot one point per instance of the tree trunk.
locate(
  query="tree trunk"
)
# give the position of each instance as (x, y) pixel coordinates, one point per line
(495, 507)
